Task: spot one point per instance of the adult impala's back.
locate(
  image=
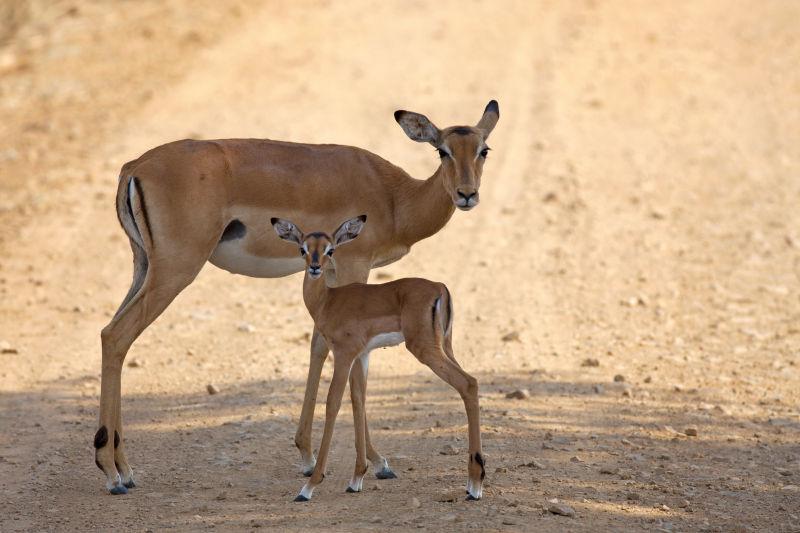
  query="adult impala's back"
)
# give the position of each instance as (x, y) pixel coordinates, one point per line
(188, 202)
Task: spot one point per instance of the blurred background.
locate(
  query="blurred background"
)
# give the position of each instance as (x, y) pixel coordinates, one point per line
(630, 277)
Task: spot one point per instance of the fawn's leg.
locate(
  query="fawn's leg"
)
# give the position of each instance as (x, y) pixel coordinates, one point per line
(467, 387)
(341, 369)
(347, 273)
(357, 388)
(302, 439)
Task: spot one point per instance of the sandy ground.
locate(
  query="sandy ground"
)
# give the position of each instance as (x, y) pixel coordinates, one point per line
(640, 218)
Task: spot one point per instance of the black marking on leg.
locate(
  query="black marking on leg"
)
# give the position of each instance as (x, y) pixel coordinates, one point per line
(234, 230)
(479, 459)
(116, 439)
(98, 463)
(101, 437)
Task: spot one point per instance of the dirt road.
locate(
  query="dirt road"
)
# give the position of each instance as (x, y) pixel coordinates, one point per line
(638, 242)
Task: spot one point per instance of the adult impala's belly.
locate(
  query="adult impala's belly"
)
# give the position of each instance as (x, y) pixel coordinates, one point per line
(237, 260)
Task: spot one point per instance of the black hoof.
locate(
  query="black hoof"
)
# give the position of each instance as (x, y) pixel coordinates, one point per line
(118, 489)
(301, 498)
(386, 473)
(129, 484)
(350, 489)
(471, 498)
(307, 473)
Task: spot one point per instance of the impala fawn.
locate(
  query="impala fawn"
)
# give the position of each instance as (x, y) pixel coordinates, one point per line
(357, 318)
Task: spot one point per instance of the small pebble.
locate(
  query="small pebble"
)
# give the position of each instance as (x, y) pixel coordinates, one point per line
(590, 361)
(415, 503)
(448, 449)
(619, 378)
(246, 327)
(512, 336)
(212, 389)
(691, 431)
(519, 394)
(561, 509)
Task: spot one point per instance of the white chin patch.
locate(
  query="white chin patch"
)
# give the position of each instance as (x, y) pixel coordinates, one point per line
(314, 275)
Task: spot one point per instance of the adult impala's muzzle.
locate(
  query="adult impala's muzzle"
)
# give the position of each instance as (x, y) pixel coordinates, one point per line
(467, 199)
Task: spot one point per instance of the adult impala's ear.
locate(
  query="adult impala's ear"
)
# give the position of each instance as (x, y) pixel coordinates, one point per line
(349, 230)
(417, 127)
(287, 231)
(489, 119)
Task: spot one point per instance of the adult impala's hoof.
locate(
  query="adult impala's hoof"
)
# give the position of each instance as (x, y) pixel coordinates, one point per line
(385, 473)
(301, 498)
(129, 484)
(307, 472)
(351, 490)
(471, 498)
(118, 489)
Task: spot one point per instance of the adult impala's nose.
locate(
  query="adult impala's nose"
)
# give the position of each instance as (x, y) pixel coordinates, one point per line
(466, 199)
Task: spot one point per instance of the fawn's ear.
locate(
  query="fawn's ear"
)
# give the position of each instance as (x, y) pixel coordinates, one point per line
(489, 119)
(287, 231)
(418, 127)
(349, 230)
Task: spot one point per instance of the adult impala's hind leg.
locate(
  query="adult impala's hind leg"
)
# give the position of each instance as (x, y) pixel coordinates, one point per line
(160, 286)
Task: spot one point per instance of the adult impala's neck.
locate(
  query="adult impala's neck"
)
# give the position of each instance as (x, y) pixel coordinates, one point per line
(424, 207)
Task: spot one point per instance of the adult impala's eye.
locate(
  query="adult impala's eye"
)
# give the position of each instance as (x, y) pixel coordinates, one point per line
(329, 252)
(484, 152)
(442, 153)
(303, 252)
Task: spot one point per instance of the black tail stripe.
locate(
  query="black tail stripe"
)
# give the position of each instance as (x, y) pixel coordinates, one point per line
(144, 209)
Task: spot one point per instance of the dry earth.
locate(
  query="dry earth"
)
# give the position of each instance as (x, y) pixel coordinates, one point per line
(640, 218)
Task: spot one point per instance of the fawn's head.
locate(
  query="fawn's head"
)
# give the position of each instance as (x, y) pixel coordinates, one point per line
(462, 150)
(317, 247)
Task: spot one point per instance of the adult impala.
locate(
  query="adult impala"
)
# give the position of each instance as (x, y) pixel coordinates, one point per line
(188, 202)
(357, 318)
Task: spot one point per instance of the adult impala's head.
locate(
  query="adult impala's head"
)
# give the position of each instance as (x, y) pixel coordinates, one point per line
(462, 150)
(317, 247)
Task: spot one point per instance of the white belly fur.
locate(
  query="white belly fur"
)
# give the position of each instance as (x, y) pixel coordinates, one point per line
(384, 340)
(231, 257)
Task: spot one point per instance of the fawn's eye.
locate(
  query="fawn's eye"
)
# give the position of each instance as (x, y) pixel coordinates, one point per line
(484, 152)
(442, 153)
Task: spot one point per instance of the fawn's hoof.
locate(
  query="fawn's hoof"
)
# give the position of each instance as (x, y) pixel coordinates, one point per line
(129, 484)
(118, 489)
(301, 498)
(351, 490)
(471, 498)
(385, 473)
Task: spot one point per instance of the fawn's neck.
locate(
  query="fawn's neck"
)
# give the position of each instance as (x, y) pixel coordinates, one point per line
(315, 293)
